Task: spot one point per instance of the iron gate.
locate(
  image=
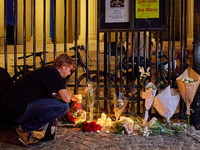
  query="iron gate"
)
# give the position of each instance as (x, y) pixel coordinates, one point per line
(160, 43)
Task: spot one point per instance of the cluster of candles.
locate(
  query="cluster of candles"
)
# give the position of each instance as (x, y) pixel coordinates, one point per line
(104, 121)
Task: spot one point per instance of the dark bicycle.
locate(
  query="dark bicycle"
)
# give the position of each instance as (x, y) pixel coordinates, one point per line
(93, 75)
(21, 69)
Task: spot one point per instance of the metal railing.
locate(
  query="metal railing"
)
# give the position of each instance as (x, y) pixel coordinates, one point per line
(156, 64)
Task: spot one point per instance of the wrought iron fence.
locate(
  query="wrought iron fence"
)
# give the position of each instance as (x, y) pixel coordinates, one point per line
(120, 66)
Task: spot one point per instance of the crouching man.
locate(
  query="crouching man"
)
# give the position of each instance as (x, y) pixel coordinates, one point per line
(29, 104)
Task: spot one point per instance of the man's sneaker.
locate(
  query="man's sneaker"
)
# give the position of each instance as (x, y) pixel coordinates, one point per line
(27, 138)
(39, 134)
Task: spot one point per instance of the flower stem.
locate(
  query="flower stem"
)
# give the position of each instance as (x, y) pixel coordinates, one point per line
(188, 120)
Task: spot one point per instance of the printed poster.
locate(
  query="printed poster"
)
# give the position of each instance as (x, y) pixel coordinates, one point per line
(145, 9)
(116, 11)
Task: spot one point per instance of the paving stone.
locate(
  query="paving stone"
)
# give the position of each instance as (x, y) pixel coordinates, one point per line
(155, 147)
(162, 147)
(114, 148)
(82, 147)
(143, 146)
(175, 147)
(72, 138)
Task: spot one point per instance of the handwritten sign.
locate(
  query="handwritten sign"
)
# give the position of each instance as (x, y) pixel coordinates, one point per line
(145, 9)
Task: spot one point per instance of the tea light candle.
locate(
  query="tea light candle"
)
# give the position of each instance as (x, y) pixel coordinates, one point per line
(108, 122)
(103, 118)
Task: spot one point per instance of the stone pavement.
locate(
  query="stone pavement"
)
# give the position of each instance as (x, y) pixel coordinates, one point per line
(69, 138)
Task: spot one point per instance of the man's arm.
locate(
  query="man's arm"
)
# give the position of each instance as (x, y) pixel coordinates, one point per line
(65, 95)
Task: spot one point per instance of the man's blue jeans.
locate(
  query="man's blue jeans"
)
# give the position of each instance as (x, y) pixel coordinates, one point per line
(40, 112)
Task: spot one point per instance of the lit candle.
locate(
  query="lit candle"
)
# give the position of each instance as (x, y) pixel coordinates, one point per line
(108, 122)
(103, 119)
(99, 121)
(84, 115)
(79, 99)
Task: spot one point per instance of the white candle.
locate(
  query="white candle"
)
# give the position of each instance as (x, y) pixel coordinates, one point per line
(108, 122)
(99, 121)
(103, 119)
(79, 98)
(84, 115)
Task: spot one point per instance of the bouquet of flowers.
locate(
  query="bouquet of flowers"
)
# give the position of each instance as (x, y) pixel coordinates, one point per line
(166, 102)
(74, 114)
(90, 126)
(89, 90)
(78, 114)
(188, 82)
(119, 105)
(134, 125)
(149, 95)
(143, 74)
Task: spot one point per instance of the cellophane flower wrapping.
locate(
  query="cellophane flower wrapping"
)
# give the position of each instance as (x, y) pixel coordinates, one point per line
(166, 102)
(187, 87)
(90, 96)
(148, 95)
(119, 105)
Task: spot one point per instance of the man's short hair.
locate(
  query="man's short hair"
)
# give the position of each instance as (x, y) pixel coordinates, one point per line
(64, 58)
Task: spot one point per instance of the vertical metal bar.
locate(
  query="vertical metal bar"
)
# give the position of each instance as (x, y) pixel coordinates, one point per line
(109, 71)
(116, 60)
(109, 63)
(54, 27)
(173, 44)
(182, 36)
(44, 33)
(86, 40)
(150, 49)
(24, 34)
(76, 50)
(5, 33)
(138, 57)
(98, 102)
(138, 49)
(181, 101)
(121, 81)
(34, 36)
(150, 57)
(185, 39)
(169, 44)
(65, 26)
(157, 54)
(145, 51)
(161, 54)
(15, 35)
(133, 67)
(127, 58)
(105, 70)
(145, 57)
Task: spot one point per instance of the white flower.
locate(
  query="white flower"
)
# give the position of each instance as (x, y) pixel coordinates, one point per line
(143, 74)
(146, 131)
(152, 121)
(141, 70)
(137, 127)
(187, 80)
(128, 127)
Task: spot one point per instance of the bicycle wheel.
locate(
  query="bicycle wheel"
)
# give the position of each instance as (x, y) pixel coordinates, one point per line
(103, 90)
